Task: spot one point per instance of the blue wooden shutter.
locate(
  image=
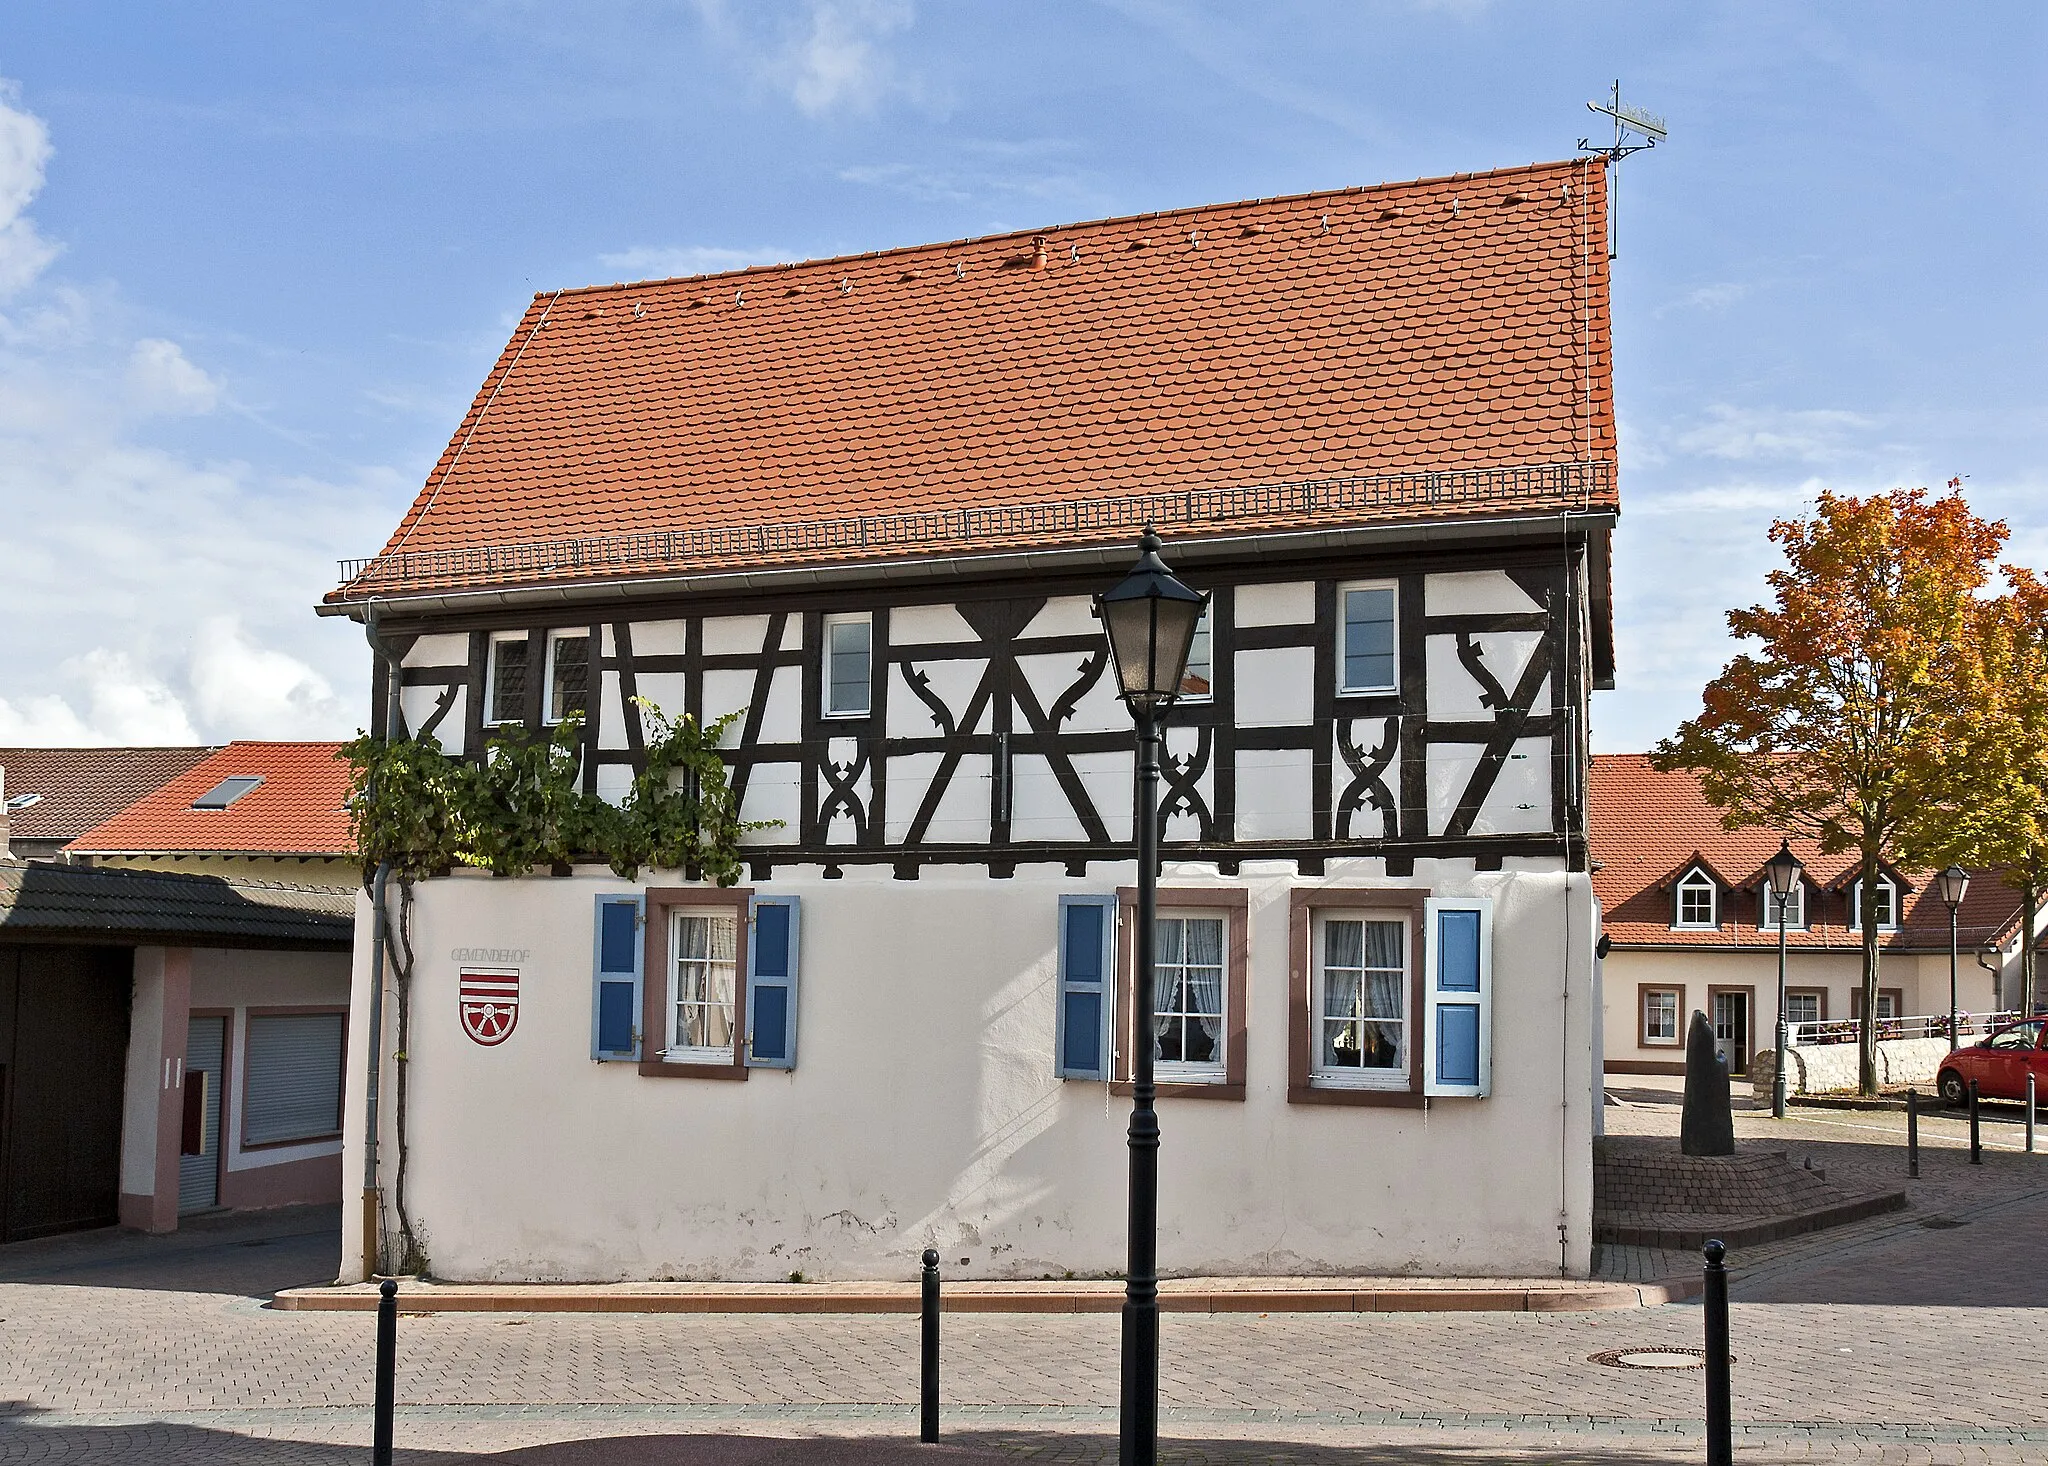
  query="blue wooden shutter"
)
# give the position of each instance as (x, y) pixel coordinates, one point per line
(1458, 1028)
(771, 983)
(615, 986)
(1087, 957)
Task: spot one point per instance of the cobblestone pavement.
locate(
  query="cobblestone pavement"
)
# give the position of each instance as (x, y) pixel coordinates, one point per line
(1888, 1341)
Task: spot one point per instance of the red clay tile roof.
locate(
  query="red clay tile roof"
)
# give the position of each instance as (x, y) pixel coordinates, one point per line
(296, 810)
(82, 786)
(1370, 333)
(1645, 828)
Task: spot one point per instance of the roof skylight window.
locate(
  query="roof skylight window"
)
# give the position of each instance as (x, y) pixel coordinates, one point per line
(227, 791)
(22, 801)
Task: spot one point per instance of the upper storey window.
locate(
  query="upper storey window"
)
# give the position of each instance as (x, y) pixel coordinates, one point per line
(1194, 682)
(1366, 651)
(848, 677)
(1696, 900)
(568, 674)
(505, 697)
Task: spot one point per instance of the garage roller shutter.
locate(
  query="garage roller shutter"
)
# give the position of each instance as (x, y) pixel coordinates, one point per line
(294, 1077)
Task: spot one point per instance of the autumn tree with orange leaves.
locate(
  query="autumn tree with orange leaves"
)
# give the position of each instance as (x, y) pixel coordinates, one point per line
(1836, 726)
(1998, 757)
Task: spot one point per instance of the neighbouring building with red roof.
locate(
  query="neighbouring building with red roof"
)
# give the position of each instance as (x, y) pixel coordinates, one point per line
(174, 985)
(1689, 928)
(273, 811)
(54, 795)
(863, 504)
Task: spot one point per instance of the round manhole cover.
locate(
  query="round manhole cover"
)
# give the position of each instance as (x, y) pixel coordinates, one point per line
(1650, 1358)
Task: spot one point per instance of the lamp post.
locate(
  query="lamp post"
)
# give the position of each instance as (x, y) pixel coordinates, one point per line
(1781, 876)
(1150, 618)
(1954, 884)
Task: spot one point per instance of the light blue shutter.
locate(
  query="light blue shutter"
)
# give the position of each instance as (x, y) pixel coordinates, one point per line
(1458, 1052)
(615, 984)
(771, 982)
(1087, 957)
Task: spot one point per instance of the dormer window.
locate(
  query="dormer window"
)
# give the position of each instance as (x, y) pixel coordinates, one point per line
(1887, 905)
(1795, 908)
(1696, 900)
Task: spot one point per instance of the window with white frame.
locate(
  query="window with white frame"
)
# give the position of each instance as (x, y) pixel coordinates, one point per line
(1696, 900)
(1795, 908)
(505, 676)
(1887, 905)
(1188, 998)
(702, 978)
(1660, 1015)
(848, 680)
(1194, 682)
(568, 674)
(1366, 660)
(1803, 1007)
(1360, 1001)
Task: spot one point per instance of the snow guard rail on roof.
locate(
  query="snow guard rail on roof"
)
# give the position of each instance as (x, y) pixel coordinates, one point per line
(1256, 508)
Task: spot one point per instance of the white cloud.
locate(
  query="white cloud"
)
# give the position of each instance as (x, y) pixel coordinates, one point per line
(1811, 435)
(829, 56)
(191, 580)
(123, 704)
(260, 692)
(837, 61)
(162, 380)
(24, 153)
(645, 262)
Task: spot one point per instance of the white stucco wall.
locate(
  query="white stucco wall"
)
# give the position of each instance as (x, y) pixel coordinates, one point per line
(925, 1110)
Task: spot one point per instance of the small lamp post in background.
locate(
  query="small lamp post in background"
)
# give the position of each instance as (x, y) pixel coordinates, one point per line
(1954, 884)
(1150, 618)
(1781, 876)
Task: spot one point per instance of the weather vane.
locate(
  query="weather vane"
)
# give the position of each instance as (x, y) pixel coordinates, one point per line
(1634, 130)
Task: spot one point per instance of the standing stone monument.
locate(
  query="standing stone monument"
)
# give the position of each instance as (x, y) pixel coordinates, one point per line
(1707, 1126)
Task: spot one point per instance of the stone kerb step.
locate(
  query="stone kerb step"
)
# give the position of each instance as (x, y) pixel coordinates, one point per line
(1183, 1295)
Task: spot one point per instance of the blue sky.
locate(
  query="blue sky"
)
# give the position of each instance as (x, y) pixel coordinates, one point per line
(254, 259)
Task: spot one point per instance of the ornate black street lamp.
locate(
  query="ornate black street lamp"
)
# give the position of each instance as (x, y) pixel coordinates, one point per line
(1151, 619)
(1781, 876)
(1954, 884)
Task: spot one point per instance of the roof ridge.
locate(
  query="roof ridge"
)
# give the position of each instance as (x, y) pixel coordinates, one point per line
(1357, 190)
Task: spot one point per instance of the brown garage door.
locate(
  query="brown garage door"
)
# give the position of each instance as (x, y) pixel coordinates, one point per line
(63, 1046)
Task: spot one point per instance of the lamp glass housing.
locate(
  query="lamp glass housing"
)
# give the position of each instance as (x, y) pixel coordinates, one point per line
(1954, 884)
(1782, 872)
(1150, 618)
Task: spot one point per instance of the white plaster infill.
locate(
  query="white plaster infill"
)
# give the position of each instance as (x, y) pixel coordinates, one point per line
(1176, 1295)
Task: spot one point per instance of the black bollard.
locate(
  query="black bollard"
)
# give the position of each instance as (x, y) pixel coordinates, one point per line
(1912, 1132)
(387, 1369)
(1720, 1440)
(1976, 1139)
(928, 1381)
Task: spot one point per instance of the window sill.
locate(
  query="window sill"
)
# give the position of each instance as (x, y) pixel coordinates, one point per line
(1390, 1099)
(1183, 1089)
(666, 1069)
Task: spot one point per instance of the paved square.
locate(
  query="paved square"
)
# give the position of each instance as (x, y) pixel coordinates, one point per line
(1914, 1337)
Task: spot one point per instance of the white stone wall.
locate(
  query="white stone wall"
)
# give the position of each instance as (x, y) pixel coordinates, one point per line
(925, 1110)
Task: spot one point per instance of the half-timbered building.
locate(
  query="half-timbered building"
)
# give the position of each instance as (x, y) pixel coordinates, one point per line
(862, 504)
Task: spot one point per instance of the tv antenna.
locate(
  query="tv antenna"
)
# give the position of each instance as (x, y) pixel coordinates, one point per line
(1635, 129)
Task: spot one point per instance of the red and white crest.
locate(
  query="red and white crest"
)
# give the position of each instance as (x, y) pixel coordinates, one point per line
(490, 1003)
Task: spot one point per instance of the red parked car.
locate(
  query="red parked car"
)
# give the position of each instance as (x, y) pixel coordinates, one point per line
(1999, 1064)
